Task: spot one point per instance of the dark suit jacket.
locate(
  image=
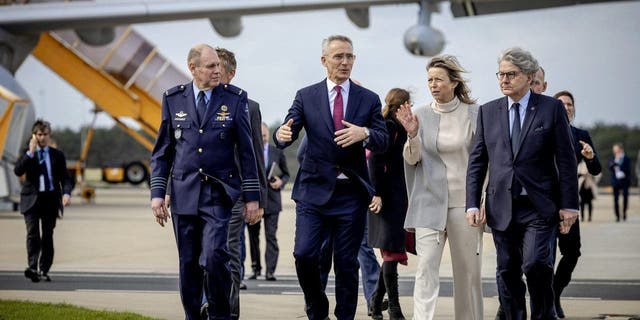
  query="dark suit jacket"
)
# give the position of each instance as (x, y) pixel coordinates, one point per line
(188, 149)
(323, 158)
(62, 182)
(625, 166)
(277, 159)
(545, 163)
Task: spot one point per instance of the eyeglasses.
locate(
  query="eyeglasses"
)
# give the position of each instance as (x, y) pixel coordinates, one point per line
(341, 57)
(510, 75)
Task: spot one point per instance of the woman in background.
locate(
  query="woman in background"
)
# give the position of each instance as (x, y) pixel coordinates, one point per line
(389, 205)
(569, 244)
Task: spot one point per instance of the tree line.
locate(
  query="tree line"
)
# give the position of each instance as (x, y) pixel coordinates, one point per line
(114, 146)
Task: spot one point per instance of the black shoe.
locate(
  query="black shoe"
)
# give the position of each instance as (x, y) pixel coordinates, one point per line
(500, 314)
(385, 304)
(270, 277)
(559, 311)
(254, 276)
(32, 274)
(46, 277)
(204, 311)
(243, 286)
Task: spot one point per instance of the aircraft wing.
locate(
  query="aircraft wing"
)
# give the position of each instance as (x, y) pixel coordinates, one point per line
(54, 15)
(467, 8)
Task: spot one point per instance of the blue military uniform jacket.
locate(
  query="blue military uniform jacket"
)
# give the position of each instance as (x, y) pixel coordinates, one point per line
(191, 151)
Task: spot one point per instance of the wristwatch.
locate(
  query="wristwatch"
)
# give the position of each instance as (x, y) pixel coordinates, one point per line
(366, 132)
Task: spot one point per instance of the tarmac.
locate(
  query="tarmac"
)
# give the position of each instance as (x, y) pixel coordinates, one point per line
(116, 236)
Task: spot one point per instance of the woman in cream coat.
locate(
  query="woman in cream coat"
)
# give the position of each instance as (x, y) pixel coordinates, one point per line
(436, 153)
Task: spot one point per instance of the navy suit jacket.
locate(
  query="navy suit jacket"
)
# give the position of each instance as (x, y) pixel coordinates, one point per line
(188, 149)
(545, 163)
(323, 158)
(62, 181)
(625, 167)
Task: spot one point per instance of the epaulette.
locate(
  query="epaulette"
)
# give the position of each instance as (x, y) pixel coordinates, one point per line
(175, 89)
(234, 89)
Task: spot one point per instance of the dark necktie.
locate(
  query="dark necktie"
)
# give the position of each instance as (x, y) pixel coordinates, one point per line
(515, 132)
(338, 109)
(516, 188)
(43, 170)
(201, 107)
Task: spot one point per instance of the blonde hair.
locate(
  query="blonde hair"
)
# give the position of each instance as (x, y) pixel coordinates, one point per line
(454, 71)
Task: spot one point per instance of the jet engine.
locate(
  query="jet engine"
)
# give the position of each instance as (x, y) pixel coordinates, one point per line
(422, 39)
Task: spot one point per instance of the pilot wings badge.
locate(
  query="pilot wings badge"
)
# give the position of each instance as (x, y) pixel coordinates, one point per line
(223, 115)
(181, 116)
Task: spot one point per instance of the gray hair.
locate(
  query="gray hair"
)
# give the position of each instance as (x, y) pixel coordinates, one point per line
(327, 41)
(523, 59)
(196, 52)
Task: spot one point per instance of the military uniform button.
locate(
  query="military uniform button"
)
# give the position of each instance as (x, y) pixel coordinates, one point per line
(200, 130)
(200, 170)
(199, 150)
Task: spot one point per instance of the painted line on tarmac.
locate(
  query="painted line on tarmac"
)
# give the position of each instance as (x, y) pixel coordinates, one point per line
(127, 291)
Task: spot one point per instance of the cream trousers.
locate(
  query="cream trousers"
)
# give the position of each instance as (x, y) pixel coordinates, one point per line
(466, 259)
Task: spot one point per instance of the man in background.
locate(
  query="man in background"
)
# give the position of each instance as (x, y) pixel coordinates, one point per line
(45, 192)
(277, 175)
(620, 168)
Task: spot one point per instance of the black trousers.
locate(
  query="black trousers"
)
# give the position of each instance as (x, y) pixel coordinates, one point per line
(270, 220)
(272, 249)
(625, 201)
(569, 245)
(254, 246)
(40, 245)
(236, 228)
(526, 246)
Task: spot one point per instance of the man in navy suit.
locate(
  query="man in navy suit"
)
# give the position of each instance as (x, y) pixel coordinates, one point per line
(203, 124)
(332, 188)
(524, 142)
(46, 191)
(620, 169)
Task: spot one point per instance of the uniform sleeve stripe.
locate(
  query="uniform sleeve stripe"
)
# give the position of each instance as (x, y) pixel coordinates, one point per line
(249, 185)
(158, 183)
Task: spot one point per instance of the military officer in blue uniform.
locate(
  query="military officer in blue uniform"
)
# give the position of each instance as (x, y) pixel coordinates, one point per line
(203, 123)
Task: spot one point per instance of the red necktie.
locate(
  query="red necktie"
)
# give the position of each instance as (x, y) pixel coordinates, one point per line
(338, 109)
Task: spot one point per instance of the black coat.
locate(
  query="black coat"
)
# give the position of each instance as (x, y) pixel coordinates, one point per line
(62, 182)
(386, 229)
(593, 165)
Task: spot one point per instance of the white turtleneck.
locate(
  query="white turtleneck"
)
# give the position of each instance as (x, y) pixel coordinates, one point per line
(453, 146)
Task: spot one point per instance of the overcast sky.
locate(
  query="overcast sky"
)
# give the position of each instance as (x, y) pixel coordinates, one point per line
(590, 50)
